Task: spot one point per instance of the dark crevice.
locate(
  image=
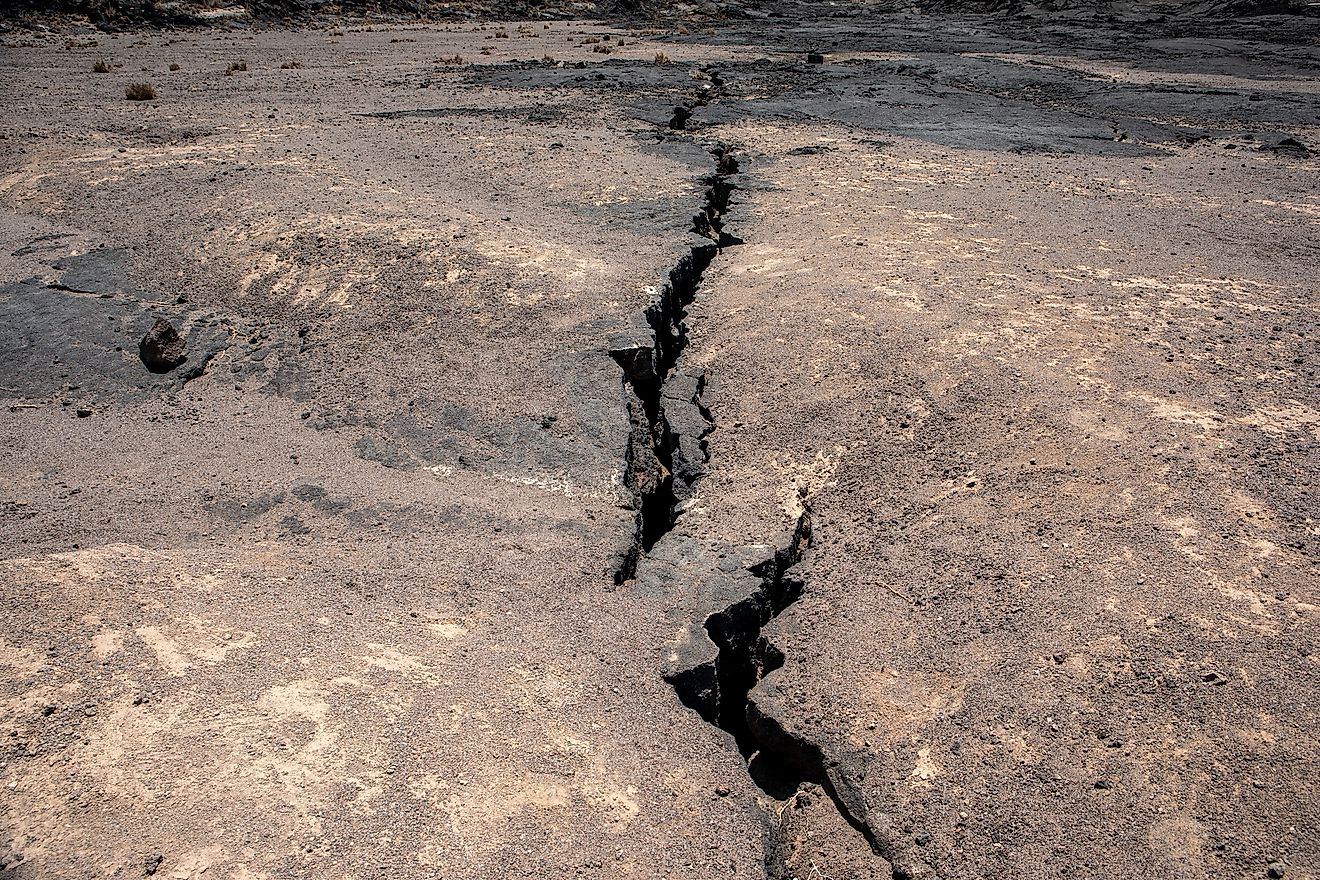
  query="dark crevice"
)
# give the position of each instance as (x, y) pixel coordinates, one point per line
(719, 690)
(710, 88)
(698, 400)
(647, 365)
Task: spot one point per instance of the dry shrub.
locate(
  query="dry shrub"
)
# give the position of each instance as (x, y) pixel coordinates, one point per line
(602, 49)
(661, 58)
(101, 66)
(235, 67)
(175, 67)
(291, 65)
(140, 92)
(501, 35)
(450, 59)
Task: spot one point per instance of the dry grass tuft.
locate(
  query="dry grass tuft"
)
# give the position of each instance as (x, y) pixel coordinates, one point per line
(291, 65)
(140, 92)
(450, 59)
(101, 66)
(235, 67)
(602, 49)
(501, 35)
(661, 58)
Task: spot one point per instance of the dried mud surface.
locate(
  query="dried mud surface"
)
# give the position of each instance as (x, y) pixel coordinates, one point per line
(862, 445)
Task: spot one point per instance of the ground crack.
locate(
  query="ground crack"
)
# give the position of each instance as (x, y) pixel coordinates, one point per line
(666, 452)
(779, 761)
(656, 452)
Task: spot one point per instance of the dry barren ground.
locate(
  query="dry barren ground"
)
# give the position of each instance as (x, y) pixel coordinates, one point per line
(895, 462)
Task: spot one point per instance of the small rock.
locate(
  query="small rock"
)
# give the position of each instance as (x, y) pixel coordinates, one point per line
(162, 349)
(722, 790)
(1275, 870)
(151, 863)
(1290, 147)
(815, 58)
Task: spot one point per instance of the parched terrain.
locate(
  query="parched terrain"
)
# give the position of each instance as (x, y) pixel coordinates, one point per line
(828, 444)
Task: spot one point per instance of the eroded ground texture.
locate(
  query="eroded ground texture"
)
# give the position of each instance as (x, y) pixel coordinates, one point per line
(897, 462)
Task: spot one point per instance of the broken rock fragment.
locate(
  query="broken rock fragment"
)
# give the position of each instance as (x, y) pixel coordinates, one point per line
(162, 349)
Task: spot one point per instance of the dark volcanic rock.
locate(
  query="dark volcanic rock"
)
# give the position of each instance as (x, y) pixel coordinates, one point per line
(162, 349)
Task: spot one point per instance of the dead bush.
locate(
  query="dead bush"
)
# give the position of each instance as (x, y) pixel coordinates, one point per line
(140, 92)
(101, 66)
(235, 67)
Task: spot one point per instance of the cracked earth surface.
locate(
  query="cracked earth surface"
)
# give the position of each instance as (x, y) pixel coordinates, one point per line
(902, 465)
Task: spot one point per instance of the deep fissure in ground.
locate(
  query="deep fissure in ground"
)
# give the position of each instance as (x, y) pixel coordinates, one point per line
(779, 762)
(650, 471)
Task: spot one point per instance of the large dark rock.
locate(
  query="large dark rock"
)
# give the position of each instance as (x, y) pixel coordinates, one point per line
(162, 349)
